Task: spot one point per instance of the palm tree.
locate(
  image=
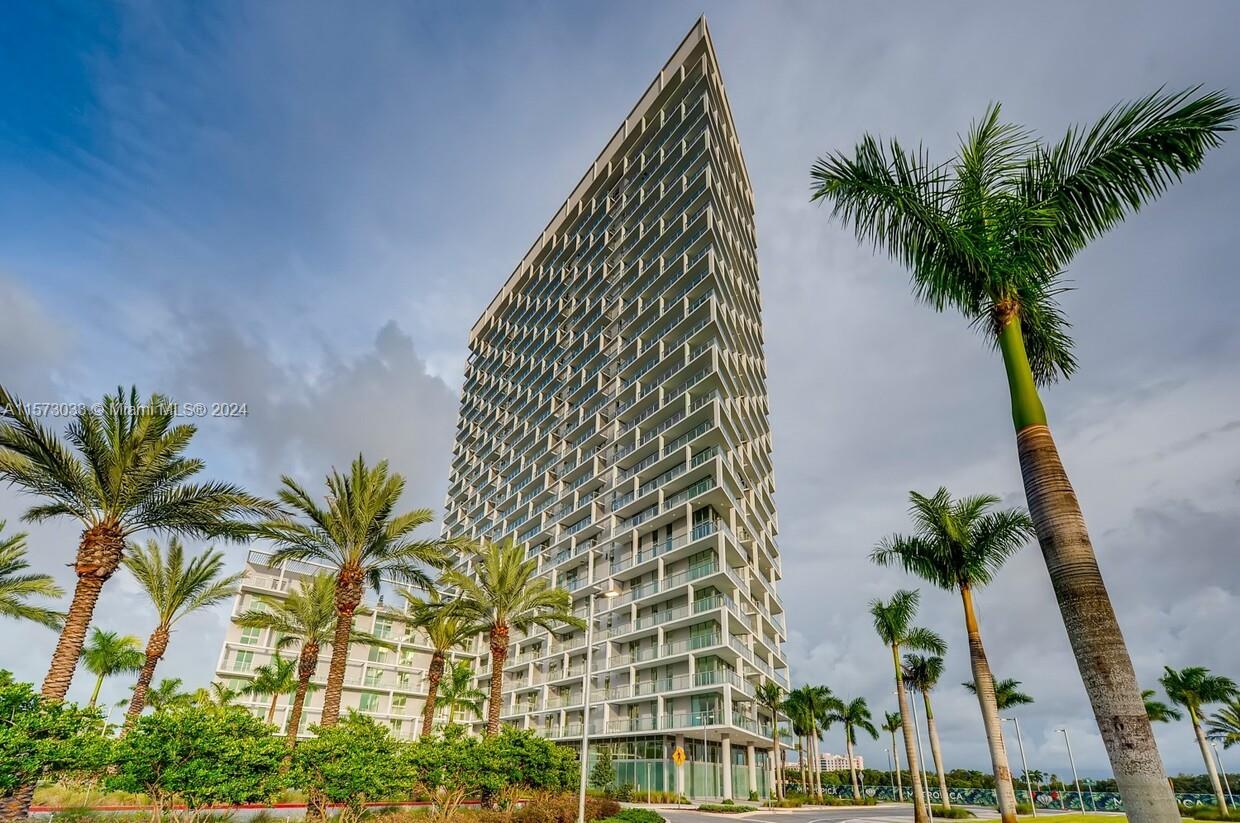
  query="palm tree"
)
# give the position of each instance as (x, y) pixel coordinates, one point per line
(892, 724)
(1158, 711)
(770, 696)
(166, 694)
(109, 653)
(959, 545)
(17, 587)
(275, 678)
(1007, 693)
(800, 725)
(176, 588)
(130, 474)
(1224, 724)
(362, 539)
(458, 692)
(221, 694)
(991, 234)
(446, 629)
(813, 706)
(922, 673)
(504, 592)
(893, 621)
(854, 714)
(305, 618)
(1194, 688)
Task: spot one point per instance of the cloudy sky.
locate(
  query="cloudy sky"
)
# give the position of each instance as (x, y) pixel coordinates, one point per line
(303, 207)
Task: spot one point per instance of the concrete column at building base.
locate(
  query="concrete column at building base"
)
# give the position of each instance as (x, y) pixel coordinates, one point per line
(726, 745)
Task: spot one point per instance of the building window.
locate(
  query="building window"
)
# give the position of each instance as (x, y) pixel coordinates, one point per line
(383, 628)
(406, 657)
(372, 677)
(250, 635)
(242, 661)
(377, 655)
(369, 703)
(399, 702)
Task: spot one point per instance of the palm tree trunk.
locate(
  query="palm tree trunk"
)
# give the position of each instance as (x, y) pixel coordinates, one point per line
(801, 764)
(817, 762)
(271, 710)
(895, 754)
(94, 694)
(307, 662)
(348, 598)
(499, 654)
(779, 786)
(1211, 770)
(155, 648)
(920, 813)
(433, 676)
(935, 752)
(98, 557)
(1093, 630)
(985, 685)
(852, 768)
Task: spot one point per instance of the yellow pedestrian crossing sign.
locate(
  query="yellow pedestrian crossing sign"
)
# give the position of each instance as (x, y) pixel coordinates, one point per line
(678, 756)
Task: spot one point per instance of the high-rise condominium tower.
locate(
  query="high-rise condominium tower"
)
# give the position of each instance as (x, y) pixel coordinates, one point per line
(613, 422)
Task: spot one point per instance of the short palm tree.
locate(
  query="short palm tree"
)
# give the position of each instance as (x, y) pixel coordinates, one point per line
(922, 673)
(1158, 711)
(812, 706)
(503, 592)
(221, 694)
(893, 621)
(991, 233)
(273, 679)
(359, 536)
(109, 653)
(458, 693)
(129, 475)
(770, 696)
(892, 724)
(166, 694)
(446, 629)
(959, 545)
(1007, 693)
(854, 714)
(799, 722)
(17, 587)
(305, 618)
(176, 588)
(1194, 688)
(1224, 724)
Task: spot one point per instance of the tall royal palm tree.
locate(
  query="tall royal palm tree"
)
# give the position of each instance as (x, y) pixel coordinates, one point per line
(893, 621)
(176, 588)
(446, 628)
(1007, 693)
(799, 722)
(812, 705)
(1224, 724)
(18, 587)
(359, 536)
(109, 653)
(458, 693)
(770, 696)
(922, 673)
(991, 234)
(1158, 711)
(1194, 688)
(892, 724)
(501, 592)
(129, 474)
(959, 545)
(305, 618)
(854, 714)
(167, 694)
(273, 679)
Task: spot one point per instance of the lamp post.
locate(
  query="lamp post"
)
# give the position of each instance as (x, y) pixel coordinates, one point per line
(1072, 761)
(1226, 782)
(1024, 764)
(890, 775)
(607, 589)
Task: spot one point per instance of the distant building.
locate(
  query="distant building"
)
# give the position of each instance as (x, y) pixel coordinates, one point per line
(839, 762)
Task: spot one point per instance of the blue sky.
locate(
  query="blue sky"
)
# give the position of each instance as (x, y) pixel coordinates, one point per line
(304, 206)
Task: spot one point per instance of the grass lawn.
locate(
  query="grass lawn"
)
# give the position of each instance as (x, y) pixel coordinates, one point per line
(1081, 818)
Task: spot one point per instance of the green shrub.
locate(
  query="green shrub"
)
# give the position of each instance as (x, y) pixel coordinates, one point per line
(1024, 807)
(726, 807)
(351, 763)
(787, 803)
(638, 816)
(1211, 813)
(951, 813)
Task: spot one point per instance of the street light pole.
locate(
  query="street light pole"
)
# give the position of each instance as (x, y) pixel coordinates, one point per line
(921, 760)
(607, 589)
(1080, 797)
(1226, 783)
(890, 776)
(1024, 764)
